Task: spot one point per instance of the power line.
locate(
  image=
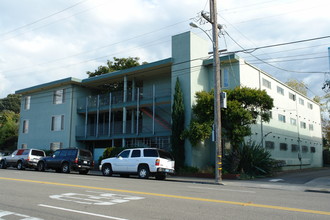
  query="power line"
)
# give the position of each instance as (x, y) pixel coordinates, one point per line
(44, 18)
(251, 50)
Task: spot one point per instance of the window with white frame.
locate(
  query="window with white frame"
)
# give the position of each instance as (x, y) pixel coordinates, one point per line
(311, 127)
(55, 146)
(304, 149)
(281, 118)
(57, 123)
(313, 149)
(301, 101)
(270, 145)
(303, 125)
(283, 146)
(25, 126)
(266, 83)
(293, 121)
(294, 148)
(24, 146)
(27, 101)
(59, 96)
(310, 105)
(280, 90)
(292, 96)
(225, 74)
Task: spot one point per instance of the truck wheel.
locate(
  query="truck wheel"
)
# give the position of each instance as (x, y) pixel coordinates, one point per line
(65, 168)
(143, 172)
(19, 165)
(106, 170)
(3, 165)
(41, 166)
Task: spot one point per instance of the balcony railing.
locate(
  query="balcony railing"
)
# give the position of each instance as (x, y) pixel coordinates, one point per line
(118, 97)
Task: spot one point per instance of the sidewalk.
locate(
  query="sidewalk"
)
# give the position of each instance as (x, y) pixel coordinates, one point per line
(309, 180)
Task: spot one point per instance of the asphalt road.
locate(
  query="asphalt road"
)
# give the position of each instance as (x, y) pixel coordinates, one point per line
(32, 195)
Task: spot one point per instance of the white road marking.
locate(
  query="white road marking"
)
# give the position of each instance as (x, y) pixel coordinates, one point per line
(98, 199)
(81, 212)
(276, 180)
(22, 217)
(231, 190)
(85, 178)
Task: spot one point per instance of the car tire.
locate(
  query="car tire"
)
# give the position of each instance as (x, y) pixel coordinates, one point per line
(107, 170)
(41, 166)
(143, 172)
(83, 172)
(65, 168)
(160, 176)
(20, 165)
(3, 165)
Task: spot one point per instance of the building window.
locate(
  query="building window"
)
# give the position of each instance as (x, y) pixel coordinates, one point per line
(59, 96)
(225, 77)
(283, 146)
(301, 101)
(270, 145)
(292, 96)
(303, 125)
(313, 150)
(24, 146)
(55, 146)
(270, 114)
(281, 118)
(294, 148)
(310, 105)
(57, 123)
(280, 90)
(266, 83)
(293, 121)
(311, 127)
(25, 126)
(27, 101)
(304, 149)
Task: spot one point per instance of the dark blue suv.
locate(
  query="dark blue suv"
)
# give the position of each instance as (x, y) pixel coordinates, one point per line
(65, 160)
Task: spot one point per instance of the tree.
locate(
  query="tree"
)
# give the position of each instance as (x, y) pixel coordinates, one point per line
(244, 107)
(117, 64)
(12, 103)
(298, 86)
(178, 126)
(8, 130)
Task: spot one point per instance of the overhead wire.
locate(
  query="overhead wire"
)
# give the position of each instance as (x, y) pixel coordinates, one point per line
(43, 18)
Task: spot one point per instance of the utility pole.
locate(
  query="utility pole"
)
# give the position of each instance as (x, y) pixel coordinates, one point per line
(217, 91)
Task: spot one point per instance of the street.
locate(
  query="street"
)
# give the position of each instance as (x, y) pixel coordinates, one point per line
(47, 195)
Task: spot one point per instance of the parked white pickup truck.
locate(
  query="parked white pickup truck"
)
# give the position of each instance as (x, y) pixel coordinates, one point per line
(144, 162)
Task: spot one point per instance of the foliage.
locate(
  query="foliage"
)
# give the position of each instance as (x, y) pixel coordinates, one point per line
(110, 152)
(11, 103)
(178, 126)
(297, 85)
(249, 159)
(8, 130)
(244, 107)
(117, 64)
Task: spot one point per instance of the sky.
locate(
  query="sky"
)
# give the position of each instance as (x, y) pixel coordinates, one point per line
(46, 40)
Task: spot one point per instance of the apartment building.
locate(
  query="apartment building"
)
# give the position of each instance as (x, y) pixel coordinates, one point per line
(132, 107)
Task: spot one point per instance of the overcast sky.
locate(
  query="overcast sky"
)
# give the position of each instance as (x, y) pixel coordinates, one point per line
(47, 40)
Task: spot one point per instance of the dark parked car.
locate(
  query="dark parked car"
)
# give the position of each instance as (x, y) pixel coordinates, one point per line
(65, 160)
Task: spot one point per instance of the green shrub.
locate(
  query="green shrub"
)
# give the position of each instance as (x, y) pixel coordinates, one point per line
(251, 160)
